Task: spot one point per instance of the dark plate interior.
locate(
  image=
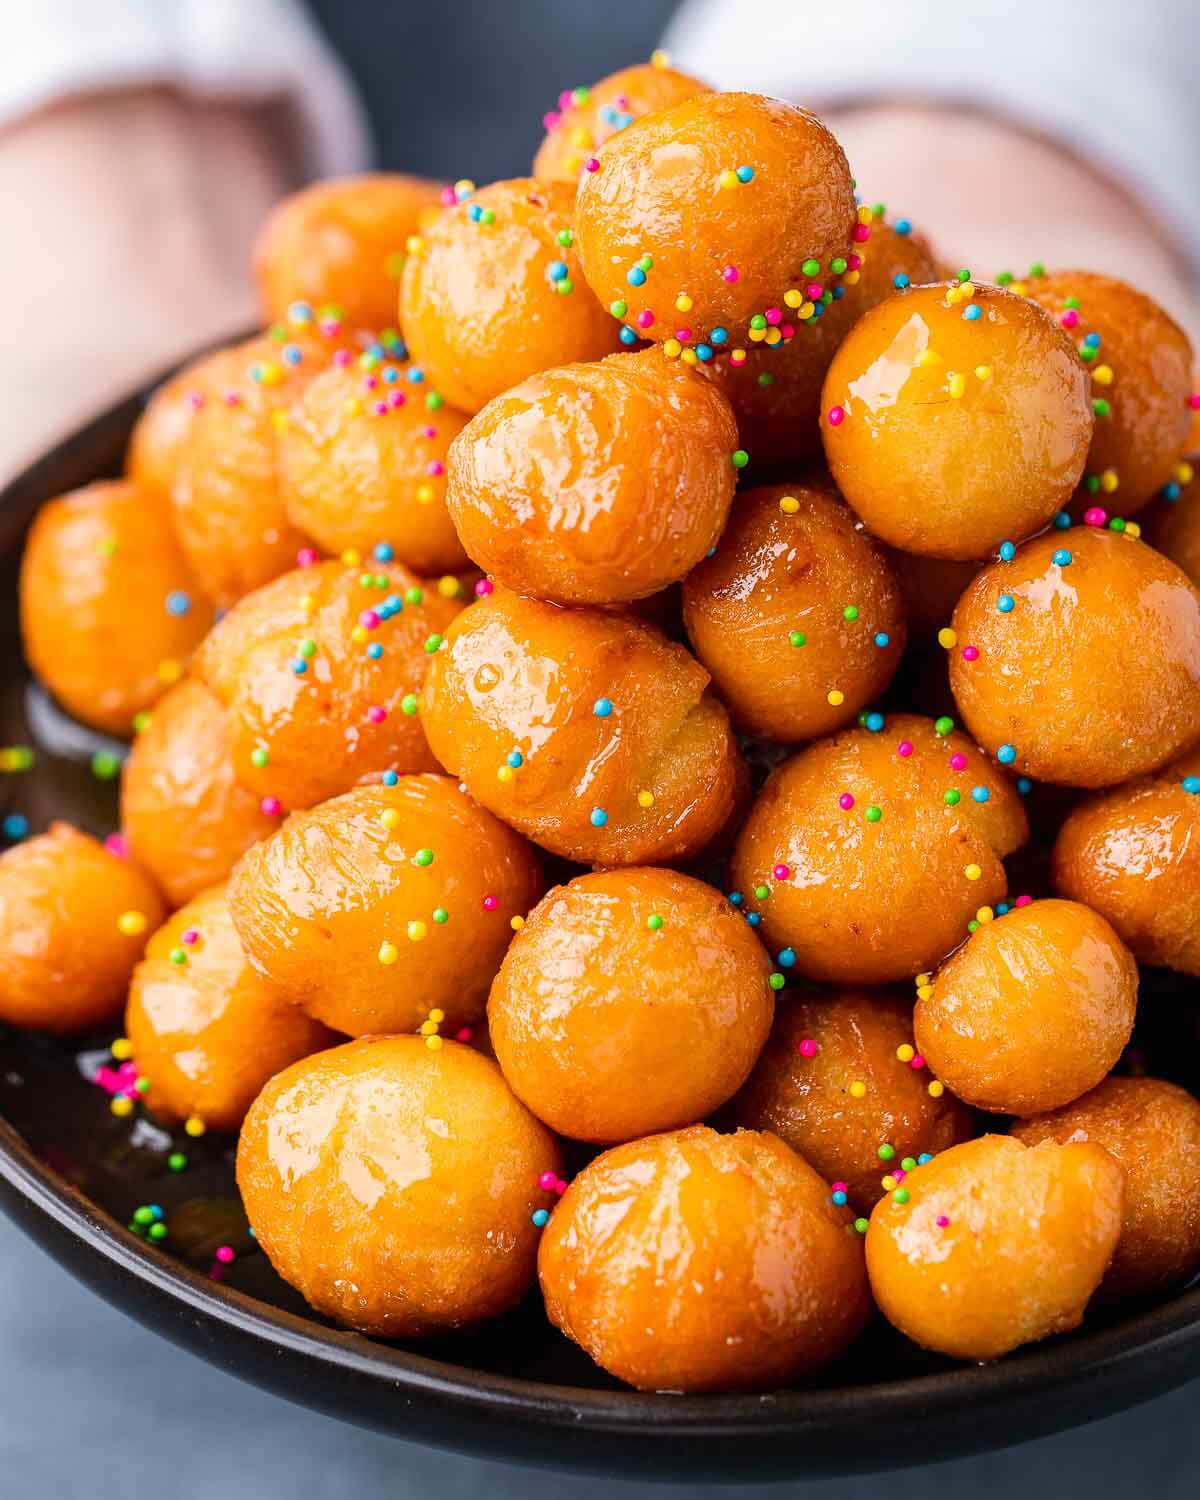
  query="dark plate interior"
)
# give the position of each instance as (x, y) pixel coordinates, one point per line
(71, 1174)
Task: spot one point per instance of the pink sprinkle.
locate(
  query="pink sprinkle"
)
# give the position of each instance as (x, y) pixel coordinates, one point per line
(565, 101)
(807, 1048)
(429, 432)
(224, 1254)
(435, 467)
(117, 844)
(195, 400)
(683, 335)
(781, 872)
(787, 330)
(341, 357)
(838, 1187)
(490, 903)
(464, 1034)
(550, 120)
(592, 164)
(904, 749)
(730, 273)
(370, 382)
(958, 761)
(845, 801)
(916, 1061)
(814, 291)
(835, 416)
(645, 318)
(970, 653)
(773, 315)
(1023, 901)
(1095, 516)
(560, 1187)
(376, 714)
(233, 398)
(898, 1174)
(547, 1180)
(380, 408)
(853, 262)
(942, 1221)
(622, 101)
(306, 557)
(368, 619)
(1070, 318)
(1194, 401)
(271, 807)
(330, 327)
(191, 936)
(397, 399)
(483, 587)
(862, 233)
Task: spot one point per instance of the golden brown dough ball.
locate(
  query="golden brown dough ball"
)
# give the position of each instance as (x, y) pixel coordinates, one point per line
(931, 586)
(694, 1261)
(586, 730)
(839, 1080)
(992, 1244)
(631, 1001)
(313, 706)
(207, 1031)
(1079, 660)
(73, 921)
(1173, 526)
(1153, 1129)
(867, 853)
(1139, 363)
(775, 388)
(380, 906)
(587, 117)
(595, 484)
(1133, 855)
(187, 817)
(363, 464)
(110, 609)
(699, 218)
(797, 614)
(341, 244)
(1032, 1011)
(955, 417)
(394, 1186)
(494, 293)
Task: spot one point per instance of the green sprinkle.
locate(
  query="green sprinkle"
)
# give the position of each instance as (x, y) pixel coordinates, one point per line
(952, 798)
(837, 265)
(944, 725)
(761, 892)
(177, 956)
(423, 857)
(654, 921)
(308, 649)
(177, 1161)
(797, 638)
(440, 915)
(900, 1195)
(409, 704)
(259, 757)
(740, 458)
(886, 1152)
(873, 814)
(105, 765)
(850, 613)
(861, 1225)
(618, 308)
(413, 595)
(1037, 269)
(565, 238)
(432, 644)
(777, 981)
(157, 1232)
(1101, 407)
(908, 1164)
(811, 268)
(1005, 278)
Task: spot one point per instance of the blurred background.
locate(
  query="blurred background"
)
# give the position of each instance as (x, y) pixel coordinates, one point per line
(141, 142)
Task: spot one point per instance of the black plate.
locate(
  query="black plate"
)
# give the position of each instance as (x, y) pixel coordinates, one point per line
(71, 1176)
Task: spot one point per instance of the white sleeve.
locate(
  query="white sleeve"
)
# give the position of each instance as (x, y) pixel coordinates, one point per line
(256, 50)
(1115, 83)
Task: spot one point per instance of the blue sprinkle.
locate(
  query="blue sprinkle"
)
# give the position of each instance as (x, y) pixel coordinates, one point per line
(1002, 908)
(839, 1198)
(474, 213)
(1006, 754)
(717, 335)
(704, 352)
(1062, 558)
(390, 778)
(924, 1157)
(541, 1217)
(1092, 340)
(1062, 521)
(838, 293)
(882, 639)
(1024, 786)
(299, 666)
(393, 604)
(627, 336)
(1005, 604)
(818, 309)
(515, 759)
(178, 603)
(980, 793)
(745, 174)
(391, 375)
(415, 374)
(1191, 784)
(557, 270)
(292, 354)
(753, 918)
(973, 313)
(1171, 492)
(736, 898)
(786, 958)
(635, 276)
(1007, 551)
(16, 826)
(900, 282)
(598, 817)
(382, 552)
(602, 707)
(374, 650)
(903, 226)
(874, 722)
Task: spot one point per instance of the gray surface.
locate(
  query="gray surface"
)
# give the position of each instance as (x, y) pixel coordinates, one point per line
(92, 1404)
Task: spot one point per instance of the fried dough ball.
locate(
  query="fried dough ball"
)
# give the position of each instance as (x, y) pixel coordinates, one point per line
(207, 1031)
(994, 1244)
(494, 293)
(395, 1186)
(110, 609)
(340, 245)
(931, 586)
(313, 709)
(363, 462)
(1153, 1129)
(631, 1001)
(385, 904)
(1174, 525)
(705, 215)
(867, 853)
(187, 817)
(1139, 363)
(586, 730)
(775, 390)
(820, 1047)
(1133, 855)
(694, 1261)
(1079, 660)
(587, 117)
(955, 417)
(595, 484)
(73, 920)
(797, 614)
(1032, 1011)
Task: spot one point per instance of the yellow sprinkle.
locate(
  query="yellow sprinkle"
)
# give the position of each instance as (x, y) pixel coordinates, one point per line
(416, 931)
(121, 1106)
(947, 638)
(1183, 473)
(905, 1053)
(757, 335)
(449, 587)
(1132, 529)
(955, 294)
(307, 603)
(835, 698)
(683, 303)
(279, 420)
(972, 872)
(966, 290)
(773, 337)
(194, 1126)
(388, 953)
(936, 1089)
(924, 979)
(504, 773)
(169, 671)
(129, 924)
(888, 1183)
(671, 348)
(983, 372)
(359, 634)
(737, 356)
(437, 1016)
(645, 799)
(689, 357)
(806, 311)
(389, 817)
(1109, 481)
(572, 163)
(789, 505)
(956, 384)
(984, 914)
(464, 187)
(729, 179)
(122, 1049)
(353, 407)
(351, 557)
(434, 1043)
(414, 244)
(865, 216)
(660, 59)
(925, 992)
(517, 923)
(792, 298)
(581, 138)
(424, 494)
(1018, 288)
(1103, 375)
(428, 1028)
(928, 357)
(858, 1090)
(270, 373)
(852, 278)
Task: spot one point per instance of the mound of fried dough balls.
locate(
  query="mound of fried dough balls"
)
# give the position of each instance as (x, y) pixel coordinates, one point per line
(363, 464)
(340, 246)
(110, 609)
(1133, 855)
(586, 730)
(1140, 366)
(702, 217)
(866, 854)
(73, 922)
(586, 117)
(1153, 1129)
(596, 484)
(320, 672)
(385, 904)
(955, 417)
(797, 614)
(994, 1244)
(774, 386)
(207, 1031)
(631, 1001)
(1033, 1010)
(187, 817)
(494, 293)
(395, 1185)
(841, 1082)
(693, 1261)
(1078, 659)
